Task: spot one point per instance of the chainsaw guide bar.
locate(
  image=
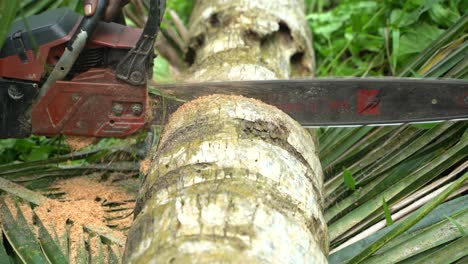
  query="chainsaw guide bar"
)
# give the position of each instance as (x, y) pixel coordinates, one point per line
(338, 102)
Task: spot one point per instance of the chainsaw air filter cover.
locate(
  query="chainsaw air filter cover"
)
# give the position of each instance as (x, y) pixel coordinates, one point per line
(44, 28)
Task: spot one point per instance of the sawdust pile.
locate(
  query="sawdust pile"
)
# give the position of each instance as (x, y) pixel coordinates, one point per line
(77, 142)
(86, 202)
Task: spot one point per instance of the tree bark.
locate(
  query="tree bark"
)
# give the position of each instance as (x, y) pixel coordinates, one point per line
(233, 179)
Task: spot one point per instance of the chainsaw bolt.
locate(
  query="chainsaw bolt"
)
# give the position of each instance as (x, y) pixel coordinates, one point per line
(137, 109)
(117, 109)
(15, 93)
(136, 77)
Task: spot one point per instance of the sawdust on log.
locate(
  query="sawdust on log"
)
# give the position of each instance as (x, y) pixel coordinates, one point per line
(151, 105)
(145, 166)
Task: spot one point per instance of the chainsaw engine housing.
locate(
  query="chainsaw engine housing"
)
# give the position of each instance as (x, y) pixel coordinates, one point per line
(89, 101)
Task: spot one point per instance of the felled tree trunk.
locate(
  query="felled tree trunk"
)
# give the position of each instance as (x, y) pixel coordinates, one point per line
(233, 179)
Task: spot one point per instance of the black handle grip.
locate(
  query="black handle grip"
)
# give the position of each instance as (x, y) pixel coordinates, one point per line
(74, 47)
(136, 66)
(89, 23)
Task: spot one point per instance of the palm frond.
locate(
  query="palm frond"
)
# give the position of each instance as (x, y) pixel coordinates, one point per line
(409, 166)
(50, 246)
(30, 182)
(439, 214)
(435, 48)
(449, 253)
(409, 222)
(20, 237)
(32, 242)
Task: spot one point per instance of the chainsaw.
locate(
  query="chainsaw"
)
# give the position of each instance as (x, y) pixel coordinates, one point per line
(61, 73)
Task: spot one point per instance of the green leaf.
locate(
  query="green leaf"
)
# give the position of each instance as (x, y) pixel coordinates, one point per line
(348, 179)
(442, 15)
(113, 257)
(182, 7)
(388, 214)
(105, 233)
(24, 193)
(161, 70)
(4, 258)
(454, 208)
(418, 38)
(24, 145)
(454, 252)
(413, 147)
(97, 255)
(45, 163)
(40, 153)
(20, 236)
(82, 256)
(416, 179)
(448, 62)
(425, 125)
(395, 47)
(361, 147)
(339, 147)
(411, 244)
(37, 7)
(49, 246)
(63, 240)
(7, 15)
(7, 143)
(74, 4)
(458, 28)
(400, 18)
(455, 223)
(411, 12)
(380, 152)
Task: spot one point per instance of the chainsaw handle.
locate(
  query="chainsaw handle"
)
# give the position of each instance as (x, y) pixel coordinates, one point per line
(136, 66)
(88, 23)
(74, 47)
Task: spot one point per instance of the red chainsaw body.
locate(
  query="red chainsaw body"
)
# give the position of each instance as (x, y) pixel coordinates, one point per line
(90, 101)
(93, 103)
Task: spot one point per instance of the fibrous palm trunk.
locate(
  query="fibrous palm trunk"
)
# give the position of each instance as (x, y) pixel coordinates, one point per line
(233, 179)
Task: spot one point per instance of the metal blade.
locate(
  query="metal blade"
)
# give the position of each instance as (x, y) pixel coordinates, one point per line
(338, 101)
